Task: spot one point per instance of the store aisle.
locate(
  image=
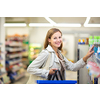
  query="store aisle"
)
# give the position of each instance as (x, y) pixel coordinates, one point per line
(23, 80)
(70, 75)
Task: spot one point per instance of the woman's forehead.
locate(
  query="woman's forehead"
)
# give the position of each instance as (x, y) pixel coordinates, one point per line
(57, 33)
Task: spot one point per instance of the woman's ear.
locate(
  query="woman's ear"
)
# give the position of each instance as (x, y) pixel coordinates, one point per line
(49, 40)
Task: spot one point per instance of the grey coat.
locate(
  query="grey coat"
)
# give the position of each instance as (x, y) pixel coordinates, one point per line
(40, 61)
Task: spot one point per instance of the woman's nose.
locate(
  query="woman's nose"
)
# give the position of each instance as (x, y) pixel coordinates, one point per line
(58, 39)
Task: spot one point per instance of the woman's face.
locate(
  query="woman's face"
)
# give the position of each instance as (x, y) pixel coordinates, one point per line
(56, 40)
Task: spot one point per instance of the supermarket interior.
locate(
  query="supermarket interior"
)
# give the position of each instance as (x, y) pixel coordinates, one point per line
(22, 39)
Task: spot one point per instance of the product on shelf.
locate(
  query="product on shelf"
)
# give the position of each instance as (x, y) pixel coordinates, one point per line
(93, 64)
(81, 41)
(25, 45)
(2, 73)
(91, 41)
(87, 41)
(14, 55)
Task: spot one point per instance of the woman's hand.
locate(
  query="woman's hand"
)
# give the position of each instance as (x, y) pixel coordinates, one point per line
(89, 53)
(52, 71)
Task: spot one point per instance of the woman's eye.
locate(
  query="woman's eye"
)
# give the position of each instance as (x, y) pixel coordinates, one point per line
(56, 37)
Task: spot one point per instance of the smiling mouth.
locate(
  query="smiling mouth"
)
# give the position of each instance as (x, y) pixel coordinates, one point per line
(58, 43)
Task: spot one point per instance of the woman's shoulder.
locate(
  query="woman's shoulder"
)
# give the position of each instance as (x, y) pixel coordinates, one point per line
(43, 55)
(44, 52)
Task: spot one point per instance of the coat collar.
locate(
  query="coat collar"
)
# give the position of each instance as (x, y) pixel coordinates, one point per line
(50, 49)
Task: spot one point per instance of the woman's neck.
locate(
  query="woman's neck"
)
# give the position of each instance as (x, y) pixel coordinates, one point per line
(55, 49)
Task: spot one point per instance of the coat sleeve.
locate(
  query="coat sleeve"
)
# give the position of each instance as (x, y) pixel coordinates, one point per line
(74, 66)
(34, 67)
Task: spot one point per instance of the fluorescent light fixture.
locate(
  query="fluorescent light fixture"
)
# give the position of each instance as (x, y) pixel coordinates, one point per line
(62, 24)
(87, 20)
(50, 21)
(90, 25)
(14, 24)
(50, 25)
(40, 25)
(68, 25)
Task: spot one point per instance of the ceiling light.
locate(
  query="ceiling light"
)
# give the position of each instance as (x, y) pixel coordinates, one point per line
(90, 25)
(50, 25)
(68, 25)
(87, 20)
(40, 25)
(61, 24)
(14, 24)
(50, 21)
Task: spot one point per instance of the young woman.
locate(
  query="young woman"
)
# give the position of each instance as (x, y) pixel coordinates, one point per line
(53, 46)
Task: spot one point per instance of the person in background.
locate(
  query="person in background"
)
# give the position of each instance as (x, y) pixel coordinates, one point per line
(53, 46)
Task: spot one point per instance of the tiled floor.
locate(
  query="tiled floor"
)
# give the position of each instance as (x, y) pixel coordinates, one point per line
(70, 75)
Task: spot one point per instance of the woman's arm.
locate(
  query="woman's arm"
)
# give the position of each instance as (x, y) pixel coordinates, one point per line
(79, 64)
(40, 61)
(74, 66)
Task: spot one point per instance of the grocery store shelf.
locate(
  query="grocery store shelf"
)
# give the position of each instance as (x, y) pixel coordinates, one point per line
(24, 59)
(16, 69)
(12, 43)
(13, 49)
(1, 74)
(14, 55)
(14, 61)
(19, 76)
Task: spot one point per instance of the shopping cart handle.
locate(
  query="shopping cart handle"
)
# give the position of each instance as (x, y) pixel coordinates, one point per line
(56, 81)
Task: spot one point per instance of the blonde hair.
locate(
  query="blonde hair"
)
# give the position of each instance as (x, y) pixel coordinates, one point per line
(48, 36)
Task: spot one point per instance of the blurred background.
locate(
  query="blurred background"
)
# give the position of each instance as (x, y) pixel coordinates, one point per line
(22, 38)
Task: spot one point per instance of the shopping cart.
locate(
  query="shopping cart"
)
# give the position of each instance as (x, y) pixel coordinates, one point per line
(52, 81)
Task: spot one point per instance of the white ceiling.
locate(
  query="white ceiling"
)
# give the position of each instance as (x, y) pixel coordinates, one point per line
(81, 20)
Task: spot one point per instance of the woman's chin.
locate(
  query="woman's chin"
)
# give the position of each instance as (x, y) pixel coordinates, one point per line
(58, 46)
